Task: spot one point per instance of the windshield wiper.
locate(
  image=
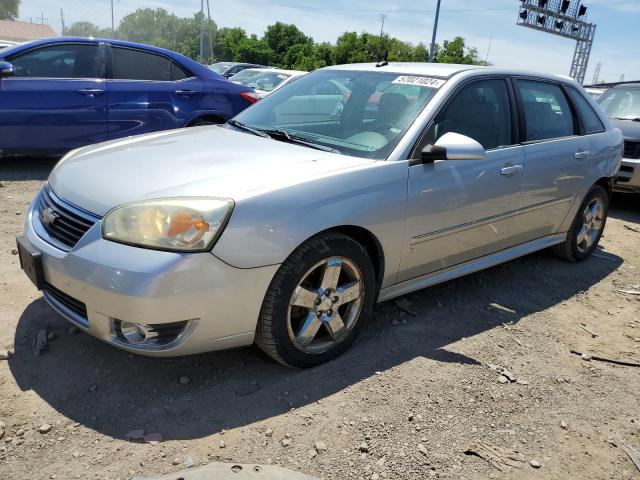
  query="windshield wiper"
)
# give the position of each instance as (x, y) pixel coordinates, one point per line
(299, 140)
(631, 119)
(247, 128)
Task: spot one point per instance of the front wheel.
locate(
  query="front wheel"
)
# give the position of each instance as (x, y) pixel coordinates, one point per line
(317, 301)
(587, 227)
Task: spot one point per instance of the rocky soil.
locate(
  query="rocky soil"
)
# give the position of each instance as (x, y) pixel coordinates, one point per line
(481, 364)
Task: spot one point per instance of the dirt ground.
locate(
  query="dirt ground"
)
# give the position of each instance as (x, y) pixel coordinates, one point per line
(406, 402)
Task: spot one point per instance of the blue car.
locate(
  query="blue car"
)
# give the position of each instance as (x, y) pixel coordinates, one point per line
(62, 93)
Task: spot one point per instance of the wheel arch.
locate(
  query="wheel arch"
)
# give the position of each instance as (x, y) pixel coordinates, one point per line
(370, 243)
(606, 183)
(209, 117)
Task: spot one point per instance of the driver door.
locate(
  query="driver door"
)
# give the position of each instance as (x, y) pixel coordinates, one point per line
(459, 210)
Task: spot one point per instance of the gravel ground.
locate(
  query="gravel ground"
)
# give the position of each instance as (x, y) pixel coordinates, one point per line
(406, 402)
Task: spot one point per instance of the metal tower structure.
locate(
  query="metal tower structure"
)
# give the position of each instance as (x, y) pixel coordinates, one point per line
(596, 73)
(564, 18)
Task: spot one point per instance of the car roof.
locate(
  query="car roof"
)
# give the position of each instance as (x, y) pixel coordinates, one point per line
(442, 70)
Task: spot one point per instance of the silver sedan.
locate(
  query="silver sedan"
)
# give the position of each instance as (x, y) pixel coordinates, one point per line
(353, 185)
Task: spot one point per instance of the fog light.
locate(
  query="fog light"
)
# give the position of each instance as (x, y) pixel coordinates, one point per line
(135, 333)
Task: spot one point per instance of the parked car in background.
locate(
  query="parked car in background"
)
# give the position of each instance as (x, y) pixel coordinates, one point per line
(266, 80)
(284, 229)
(622, 105)
(229, 69)
(595, 92)
(6, 43)
(62, 93)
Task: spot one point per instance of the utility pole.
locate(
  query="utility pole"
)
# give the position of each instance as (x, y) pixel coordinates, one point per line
(62, 21)
(202, 30)
(383, 17)
(435, 31)
(113, 25)
(486, 60)
(210, 31)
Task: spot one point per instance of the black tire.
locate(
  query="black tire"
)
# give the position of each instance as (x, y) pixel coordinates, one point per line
(568, 250)
(272, 333)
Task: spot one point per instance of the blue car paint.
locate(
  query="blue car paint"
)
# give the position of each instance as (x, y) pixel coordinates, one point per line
(54, 115)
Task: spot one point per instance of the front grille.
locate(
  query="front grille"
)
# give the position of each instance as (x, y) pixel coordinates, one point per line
(63, 222)
(631, 149)
(76, 306)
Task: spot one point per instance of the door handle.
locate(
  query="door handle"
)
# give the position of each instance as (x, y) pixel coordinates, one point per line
(511, 170)
(91, 92)
(185, 93)
(582, 154)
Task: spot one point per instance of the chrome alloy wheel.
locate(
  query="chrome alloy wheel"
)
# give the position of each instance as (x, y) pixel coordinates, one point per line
(326, 305)
(592, 222)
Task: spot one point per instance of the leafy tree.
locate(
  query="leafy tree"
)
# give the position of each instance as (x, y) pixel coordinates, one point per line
(281, 37)
(87, 29)
(253, 50)
(227, 42)
(9, 9)
(420, 53)
(456, 51)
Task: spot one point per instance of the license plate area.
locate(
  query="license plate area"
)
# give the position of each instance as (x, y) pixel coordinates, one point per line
(31, 262)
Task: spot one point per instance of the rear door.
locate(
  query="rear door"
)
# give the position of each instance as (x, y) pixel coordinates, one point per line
(556, 156)
(147, 92)
(56, 98)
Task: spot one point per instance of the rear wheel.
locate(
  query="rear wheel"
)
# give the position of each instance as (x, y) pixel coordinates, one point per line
(317, 301)
(587, 227)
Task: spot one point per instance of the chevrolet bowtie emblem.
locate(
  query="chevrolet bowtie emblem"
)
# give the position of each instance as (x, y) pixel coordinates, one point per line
(49, 216)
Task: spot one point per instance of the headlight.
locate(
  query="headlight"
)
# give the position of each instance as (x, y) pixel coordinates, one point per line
(177, 224)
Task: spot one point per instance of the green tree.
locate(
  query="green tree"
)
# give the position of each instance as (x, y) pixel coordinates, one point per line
(456, 51)
(253, 50)
(9, 9)
(281, 37)
(420, 53)
(227, 42)
(87, 29)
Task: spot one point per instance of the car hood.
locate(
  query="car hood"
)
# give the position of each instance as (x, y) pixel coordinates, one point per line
(202, 161)
(630, 130)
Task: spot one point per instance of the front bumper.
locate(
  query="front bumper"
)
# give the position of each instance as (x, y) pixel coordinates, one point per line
(628, 179)
(119, 282)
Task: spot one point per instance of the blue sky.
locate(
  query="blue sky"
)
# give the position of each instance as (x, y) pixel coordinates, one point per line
(615, 45)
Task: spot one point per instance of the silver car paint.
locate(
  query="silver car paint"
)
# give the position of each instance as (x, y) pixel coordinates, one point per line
(285, 194)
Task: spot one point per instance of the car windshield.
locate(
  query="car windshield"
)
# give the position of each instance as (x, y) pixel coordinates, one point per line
(220, 68)
(621, 103)
(266, 81)
(244, 75)
(358, 113)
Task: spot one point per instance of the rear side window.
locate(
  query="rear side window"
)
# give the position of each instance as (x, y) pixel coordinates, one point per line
(547, 111)
(480, 110)
(590, 119)
(60, 61)
(129, 64)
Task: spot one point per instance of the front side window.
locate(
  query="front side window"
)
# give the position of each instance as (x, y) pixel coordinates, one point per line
(547, 111)
(334, 108)
(481, 110)
(590, 119)
(60, 61)
(129, 64)
(621, 103)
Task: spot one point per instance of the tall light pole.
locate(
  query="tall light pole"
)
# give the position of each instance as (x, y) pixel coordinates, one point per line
(113, 26)
(435, 31)
(202, 30)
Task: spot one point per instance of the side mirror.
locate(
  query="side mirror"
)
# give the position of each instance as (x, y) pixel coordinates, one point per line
(451, 146)
(6, 69)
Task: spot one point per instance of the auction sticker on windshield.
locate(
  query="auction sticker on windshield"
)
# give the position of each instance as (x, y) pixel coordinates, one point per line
(420, 81)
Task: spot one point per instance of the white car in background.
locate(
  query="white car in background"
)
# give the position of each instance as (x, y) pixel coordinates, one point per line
(6, 43)
(266, 80)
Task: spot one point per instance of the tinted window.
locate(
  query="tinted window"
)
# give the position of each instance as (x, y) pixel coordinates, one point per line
(131, 64)
(547, 111)
(590, 120)
(60, 61)
(480, 111)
